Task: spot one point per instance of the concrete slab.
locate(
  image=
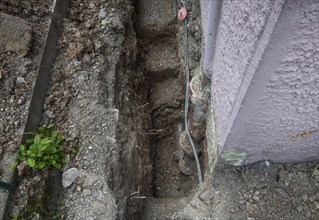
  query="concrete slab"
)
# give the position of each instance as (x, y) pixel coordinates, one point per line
(15, 34)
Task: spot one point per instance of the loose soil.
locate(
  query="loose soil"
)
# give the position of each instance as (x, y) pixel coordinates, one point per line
(17, 74)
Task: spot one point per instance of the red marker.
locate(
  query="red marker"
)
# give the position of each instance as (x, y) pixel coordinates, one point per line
(182, 13)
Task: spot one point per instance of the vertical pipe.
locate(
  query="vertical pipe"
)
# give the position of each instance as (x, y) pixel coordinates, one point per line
(210, 28)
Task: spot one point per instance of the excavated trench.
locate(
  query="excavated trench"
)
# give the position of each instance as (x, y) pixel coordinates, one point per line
(161, 60)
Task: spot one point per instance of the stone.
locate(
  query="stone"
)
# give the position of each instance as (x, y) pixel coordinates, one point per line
(252, 208)
(102, 13)
(98, 207)
(49, 113)
(242, 202)
(90, 179)
(312, 199)
(299, 209)
(69, 176)
(15, 34)
(87, 58)
(21, 101)
(12, 147)
(185, 167)
(20, 80)
(91, 5)
(307, 212)
(86, 192)
(282, 192)
(256, 198)
(207, 196)
(22, 167)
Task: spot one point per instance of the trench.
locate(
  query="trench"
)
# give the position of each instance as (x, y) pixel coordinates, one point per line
(162, 168)
(161, 60)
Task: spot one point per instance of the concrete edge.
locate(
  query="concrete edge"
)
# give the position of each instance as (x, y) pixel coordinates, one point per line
(35, 109)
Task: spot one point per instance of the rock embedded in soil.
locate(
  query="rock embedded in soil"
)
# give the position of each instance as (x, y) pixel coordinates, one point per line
(98, 207)
(69, 176)
(15, 34)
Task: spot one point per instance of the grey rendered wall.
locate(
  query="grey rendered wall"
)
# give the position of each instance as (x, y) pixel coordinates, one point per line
(265, 83)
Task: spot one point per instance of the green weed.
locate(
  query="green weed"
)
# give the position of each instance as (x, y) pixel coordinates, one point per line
(43, 150)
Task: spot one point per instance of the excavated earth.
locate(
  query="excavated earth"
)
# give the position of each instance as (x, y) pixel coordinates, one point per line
(117, 94)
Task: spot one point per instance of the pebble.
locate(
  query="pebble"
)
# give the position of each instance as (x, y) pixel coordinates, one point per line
(12, 147)
(104, 22)
(250, 208)
(21, 101)
(282, 192)
(98, 207)
(242, 202)
(87, 58)
(90, 179)
(20, 80)
(307, 212)
(86, 192)
(69, 176)
(206, 196)
(49, 113)
(256, 198)
(22, 167)
(312, 199)
(102, 13)
(91, 5)
(299, 209)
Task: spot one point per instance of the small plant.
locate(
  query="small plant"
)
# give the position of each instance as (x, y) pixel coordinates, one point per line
(15, 217)
(44, 149)
(59, 213)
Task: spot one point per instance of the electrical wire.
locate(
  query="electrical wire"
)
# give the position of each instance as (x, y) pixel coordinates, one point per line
(200, 177)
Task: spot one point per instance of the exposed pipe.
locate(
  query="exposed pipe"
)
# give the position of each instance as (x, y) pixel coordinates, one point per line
(210, 37)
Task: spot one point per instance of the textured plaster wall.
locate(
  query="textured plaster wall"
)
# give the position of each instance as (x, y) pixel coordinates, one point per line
(265, 80)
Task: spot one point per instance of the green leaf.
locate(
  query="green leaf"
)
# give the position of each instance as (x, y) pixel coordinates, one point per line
(33, 148)
(57, 165)
(21, 148)
(42, 148)
(41, 165)
(37, 139)
(41, 129)
(31, 162)
(54, 133)
(29, 140)
(50, 126)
